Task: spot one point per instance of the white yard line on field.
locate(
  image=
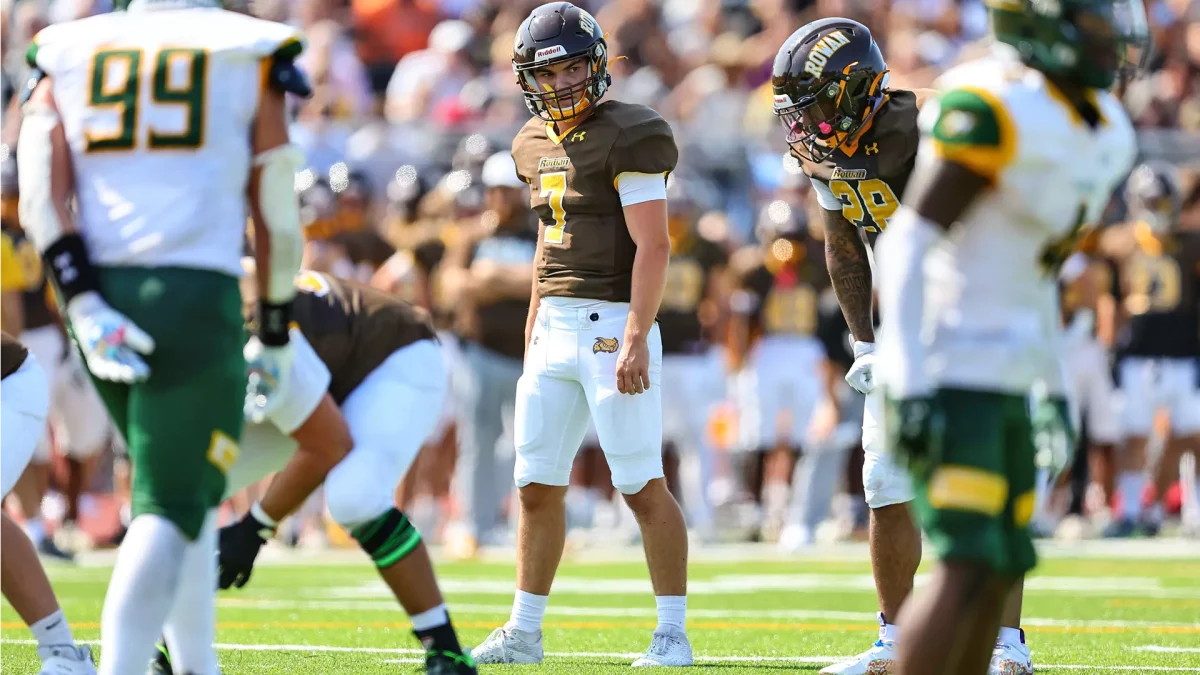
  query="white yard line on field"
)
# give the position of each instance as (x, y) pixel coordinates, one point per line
(649, 612)
(1166, 650)
(611, 655)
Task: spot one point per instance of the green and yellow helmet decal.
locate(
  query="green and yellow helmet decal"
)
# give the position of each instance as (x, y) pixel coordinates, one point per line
(1089, 42)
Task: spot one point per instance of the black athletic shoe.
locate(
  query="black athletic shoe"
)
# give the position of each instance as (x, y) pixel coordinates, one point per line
(161, 663)
(449, 663)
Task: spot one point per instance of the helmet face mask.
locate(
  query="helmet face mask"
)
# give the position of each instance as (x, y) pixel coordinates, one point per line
(560, 59)
(829, 77)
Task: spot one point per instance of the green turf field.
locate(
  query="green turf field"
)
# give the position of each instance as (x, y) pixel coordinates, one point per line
(750, 611)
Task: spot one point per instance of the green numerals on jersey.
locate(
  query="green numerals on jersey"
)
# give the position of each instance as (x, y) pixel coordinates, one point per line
(116, 83)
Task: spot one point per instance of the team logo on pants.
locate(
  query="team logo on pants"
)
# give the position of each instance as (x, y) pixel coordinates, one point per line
(606, 345)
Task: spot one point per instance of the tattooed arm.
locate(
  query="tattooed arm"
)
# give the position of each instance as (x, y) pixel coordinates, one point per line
(850, 272)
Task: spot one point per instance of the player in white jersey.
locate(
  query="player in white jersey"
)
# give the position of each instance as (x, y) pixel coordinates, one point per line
(1023, 148)
(161, 124)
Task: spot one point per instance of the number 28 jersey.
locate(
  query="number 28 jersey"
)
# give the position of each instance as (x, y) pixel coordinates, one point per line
(158, 105)
(865, 179)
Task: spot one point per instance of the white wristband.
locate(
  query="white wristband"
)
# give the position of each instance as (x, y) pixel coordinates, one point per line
(256, 511)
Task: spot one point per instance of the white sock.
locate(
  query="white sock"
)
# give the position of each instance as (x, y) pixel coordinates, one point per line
(672, 612)
(430, 618)
(140, 594)
(889, 632)
(528, 611)
(1131, 484)
(1010, 636)
(190, 627)
(35, 529)
(52, 630)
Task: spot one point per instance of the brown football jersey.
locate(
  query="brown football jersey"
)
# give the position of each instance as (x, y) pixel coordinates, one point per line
(12, 354)
(868, 176)
(586, 248)
(354, 328)
(781, 299)
(1158, 286)
(687, 283)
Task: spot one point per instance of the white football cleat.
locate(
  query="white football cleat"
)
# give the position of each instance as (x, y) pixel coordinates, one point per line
(877, 660)
(668, 648)
(66, 660)
(509, 645)
(1011, 659)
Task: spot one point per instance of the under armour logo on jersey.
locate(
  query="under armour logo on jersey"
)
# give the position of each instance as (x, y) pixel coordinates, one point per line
(578, 136)
(872, 149)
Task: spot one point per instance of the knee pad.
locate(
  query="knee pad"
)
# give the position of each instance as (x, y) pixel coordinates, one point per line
(632, 488)
(388, 538)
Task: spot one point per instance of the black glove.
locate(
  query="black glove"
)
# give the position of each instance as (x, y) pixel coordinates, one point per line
(238, 547)
(915, 427)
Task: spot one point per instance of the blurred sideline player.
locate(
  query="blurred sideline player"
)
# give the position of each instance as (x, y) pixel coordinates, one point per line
(597, 174)
(368, 373)
(775, 354)
(163, 123)
(857, 141)
(692, 379)
(1156, 289)
(24, 400)
(1021, 150)
(77, 416)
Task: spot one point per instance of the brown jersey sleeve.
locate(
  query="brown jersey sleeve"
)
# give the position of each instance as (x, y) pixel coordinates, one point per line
(645, 144)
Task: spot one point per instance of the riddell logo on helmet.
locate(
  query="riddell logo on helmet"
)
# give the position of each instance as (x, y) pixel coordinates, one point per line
(549, 52)
(819, 55)
(782, 100)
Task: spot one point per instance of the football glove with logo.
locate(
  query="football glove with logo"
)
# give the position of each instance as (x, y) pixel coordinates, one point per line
(239, 544)
(1054, 432)
(112, 345)
(861, 375)
(270, 373)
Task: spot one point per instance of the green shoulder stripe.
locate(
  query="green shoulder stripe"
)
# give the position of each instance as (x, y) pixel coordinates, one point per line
(289, 49)
(965, 117)
(31, 53)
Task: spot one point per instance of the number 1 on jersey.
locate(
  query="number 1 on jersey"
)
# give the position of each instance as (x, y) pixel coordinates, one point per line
(554, 189)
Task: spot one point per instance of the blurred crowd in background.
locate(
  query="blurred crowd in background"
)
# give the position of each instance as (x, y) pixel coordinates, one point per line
(412, 98)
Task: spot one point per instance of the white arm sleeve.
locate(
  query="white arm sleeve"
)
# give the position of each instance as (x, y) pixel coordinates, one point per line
(825, 196)
(34, 150)
(281, 211)
(636, 188)
(310, 380)
(900, 259)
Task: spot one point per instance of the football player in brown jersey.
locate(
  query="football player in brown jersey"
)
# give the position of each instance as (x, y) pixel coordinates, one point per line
(596, 174)
(368, 372)
(775, 351)
(1156, 297)
(24, 403)
(856, 139)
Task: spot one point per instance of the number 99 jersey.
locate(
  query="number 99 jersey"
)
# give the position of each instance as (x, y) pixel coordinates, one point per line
(864, 178)
(158, 106)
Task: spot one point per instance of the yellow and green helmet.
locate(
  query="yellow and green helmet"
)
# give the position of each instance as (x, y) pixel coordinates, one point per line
(1089, 42)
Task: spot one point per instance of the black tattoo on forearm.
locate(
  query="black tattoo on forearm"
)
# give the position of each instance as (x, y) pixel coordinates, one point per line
(850, 272)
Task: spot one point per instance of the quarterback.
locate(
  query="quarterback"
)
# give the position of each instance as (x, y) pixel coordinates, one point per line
(596, 174)
(367, 371)
(857, 141)
(161, 124)
(1022, 149)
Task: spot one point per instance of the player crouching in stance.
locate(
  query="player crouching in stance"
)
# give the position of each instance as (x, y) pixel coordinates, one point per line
(24, 401)
(596, 174)
(1022, 149)
(368, 368)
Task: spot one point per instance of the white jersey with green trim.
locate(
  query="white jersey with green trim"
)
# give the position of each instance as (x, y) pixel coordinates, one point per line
(158, 106)
(991, 285)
